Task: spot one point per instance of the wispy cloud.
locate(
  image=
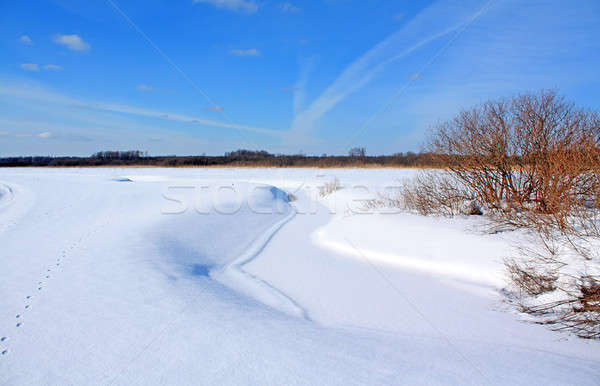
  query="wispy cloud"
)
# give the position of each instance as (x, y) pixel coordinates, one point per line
(300, 87)
(34, 67)
(513, 48)
(288, 7)
(244, 6)
(44, 135)
(71, 133)
(143, 87)
(435, 22)
(25, 39)
(41, 94)
(73, 42)
(30, 67)
(245, 52)
(53, 67)
(214, 108)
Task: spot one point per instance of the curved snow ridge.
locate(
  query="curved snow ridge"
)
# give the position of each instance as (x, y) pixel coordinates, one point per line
(451, 269)
(234, 276)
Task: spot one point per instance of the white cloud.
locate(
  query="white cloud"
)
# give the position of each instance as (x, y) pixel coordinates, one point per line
(45, 134)
(143, 87)
(26, 40)
(30, 67)
(39, 94)
(288, 7)
(73, 42)
(214, 108)
(248, 52)
(53, 67)
(245, 6)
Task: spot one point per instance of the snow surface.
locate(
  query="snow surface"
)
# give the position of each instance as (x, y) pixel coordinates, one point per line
(217, 276)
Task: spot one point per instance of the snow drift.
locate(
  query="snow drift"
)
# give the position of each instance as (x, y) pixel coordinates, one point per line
(213, 277)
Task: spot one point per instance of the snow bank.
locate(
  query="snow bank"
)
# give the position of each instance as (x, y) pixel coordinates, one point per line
(159, 280)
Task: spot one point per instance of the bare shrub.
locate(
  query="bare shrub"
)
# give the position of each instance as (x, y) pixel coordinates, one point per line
(329, 187)
(430, 193)
(532, 154)
(435, 193)
(532, 161)
(529, 279)
(384, 200)
(578, 311)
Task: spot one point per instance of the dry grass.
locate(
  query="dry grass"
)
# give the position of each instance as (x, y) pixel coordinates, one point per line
(230, 166)
(329, 187)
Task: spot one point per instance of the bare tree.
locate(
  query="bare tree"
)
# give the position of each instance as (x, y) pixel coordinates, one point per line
(357, 152)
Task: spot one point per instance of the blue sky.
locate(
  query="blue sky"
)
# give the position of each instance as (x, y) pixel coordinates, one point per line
(209, 76)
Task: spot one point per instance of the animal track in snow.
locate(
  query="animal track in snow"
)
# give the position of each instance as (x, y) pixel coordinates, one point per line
(19, 324)
(3, 339)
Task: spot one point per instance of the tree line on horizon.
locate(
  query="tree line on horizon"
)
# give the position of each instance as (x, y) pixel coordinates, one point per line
(242, 157)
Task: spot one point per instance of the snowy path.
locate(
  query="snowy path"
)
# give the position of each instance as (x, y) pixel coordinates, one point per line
(99, 286)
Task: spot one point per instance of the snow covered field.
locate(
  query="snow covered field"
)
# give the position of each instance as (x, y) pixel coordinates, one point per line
(217, 276)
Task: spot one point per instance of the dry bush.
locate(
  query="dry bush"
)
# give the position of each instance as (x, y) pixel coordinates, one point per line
(534, 153)
(551, 280)
(329, 187)
(532, 161)
(436, 193)
(577, 312)
(430, 193)
(529, 279)
(584, 316)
